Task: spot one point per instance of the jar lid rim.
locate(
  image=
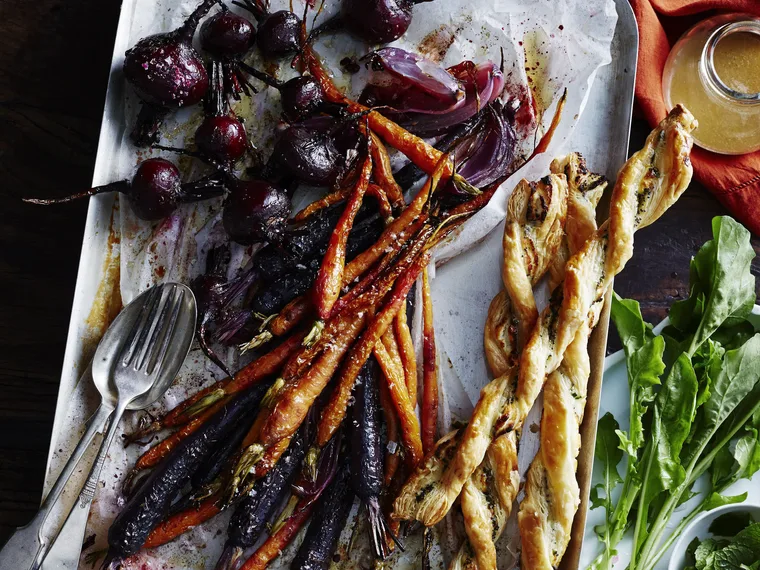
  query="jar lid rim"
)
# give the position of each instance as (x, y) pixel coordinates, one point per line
(751, 25)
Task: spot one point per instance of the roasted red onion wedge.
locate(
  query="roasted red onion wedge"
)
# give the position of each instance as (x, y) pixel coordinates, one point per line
(483, 83)
(407, 82)
(489, 154)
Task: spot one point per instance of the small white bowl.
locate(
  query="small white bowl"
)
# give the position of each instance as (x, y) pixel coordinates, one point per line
(699, 528)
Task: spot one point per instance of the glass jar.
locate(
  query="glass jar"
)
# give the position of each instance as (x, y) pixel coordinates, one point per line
(714, 70)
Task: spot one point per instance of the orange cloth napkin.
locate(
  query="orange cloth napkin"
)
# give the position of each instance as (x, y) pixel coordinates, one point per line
(734, 180)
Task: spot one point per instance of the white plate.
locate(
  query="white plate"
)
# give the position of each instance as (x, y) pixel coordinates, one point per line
(700, 527)
(615, 401)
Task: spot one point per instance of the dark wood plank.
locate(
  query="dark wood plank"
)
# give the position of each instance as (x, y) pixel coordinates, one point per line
(54, 62)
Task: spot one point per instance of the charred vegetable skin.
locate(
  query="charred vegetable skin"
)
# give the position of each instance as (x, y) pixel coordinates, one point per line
(327, 522)
(151, 502)
(367, 454)
(252, 513)
(256, 211)
(166, 73)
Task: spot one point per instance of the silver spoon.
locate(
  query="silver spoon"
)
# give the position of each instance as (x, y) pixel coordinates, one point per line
(136, 361)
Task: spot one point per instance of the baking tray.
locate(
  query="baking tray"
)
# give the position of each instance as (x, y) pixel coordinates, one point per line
(601, 135)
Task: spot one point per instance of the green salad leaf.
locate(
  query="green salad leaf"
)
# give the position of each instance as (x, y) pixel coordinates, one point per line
(722, 285)
(694, 394)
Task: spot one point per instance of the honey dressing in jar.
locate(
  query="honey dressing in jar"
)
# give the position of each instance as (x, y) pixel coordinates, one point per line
(714, 70)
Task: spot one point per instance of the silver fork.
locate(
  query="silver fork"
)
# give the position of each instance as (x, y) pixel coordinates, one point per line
(136, 361)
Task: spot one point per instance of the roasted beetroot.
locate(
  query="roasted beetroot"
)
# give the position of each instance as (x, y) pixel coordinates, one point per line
(378, 21)
(256, 211)
(166, 73)
(221, 136)
(279, 33)
(154, 192)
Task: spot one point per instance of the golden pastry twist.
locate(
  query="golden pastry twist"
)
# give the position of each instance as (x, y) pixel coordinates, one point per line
(647, 185)
(532, 234)
(488, 496)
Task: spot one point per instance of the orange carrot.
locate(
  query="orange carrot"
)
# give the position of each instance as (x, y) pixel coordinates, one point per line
(326, 289)
(383, 205)
(255, 371)
(424, 155)
(294, 402)
(388, 341)
(408, 357)
(383, 173)
(264, 366)
(410, 427)
(429, 409)
(183, 521)
(290, 316)
(543, 144)
(276, 543)
(333, 414)
(330, 199)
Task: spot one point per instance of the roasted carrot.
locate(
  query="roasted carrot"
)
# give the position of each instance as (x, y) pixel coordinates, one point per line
(276, 543)
(372, 279)
(264, 366)
(253, 464)
(300, 307)
(388, 340)
(294, 402)
(326, 289)
(429, 410)
(543, 144)
(290, 316)
(383, 173)
(410, 427)
(383, 205)
(336, 408)
(424, 155)
(183, 521)
(268, 365)
(330, 199)
(408, 357)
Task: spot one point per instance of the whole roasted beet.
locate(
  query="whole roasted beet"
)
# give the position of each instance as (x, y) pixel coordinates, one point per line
(378, 21)
(256, 211)
(167, 73)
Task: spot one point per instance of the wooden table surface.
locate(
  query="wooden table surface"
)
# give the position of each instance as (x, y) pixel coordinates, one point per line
(54, 61)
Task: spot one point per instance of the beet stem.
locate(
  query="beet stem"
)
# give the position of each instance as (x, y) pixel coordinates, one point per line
(120, 186)
(332, 25)
(187, 31)
(261, 76)
(149, 120)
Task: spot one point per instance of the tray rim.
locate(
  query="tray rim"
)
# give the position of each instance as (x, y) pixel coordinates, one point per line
(100, 208)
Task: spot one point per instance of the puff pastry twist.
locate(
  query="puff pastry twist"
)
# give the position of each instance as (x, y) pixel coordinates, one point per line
(532, 235)
(488, 496)
(649, 183)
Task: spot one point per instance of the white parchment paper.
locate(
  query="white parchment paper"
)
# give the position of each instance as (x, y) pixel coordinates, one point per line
(550, 45)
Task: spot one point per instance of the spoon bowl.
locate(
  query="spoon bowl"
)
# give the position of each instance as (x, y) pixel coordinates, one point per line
(141, 357)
